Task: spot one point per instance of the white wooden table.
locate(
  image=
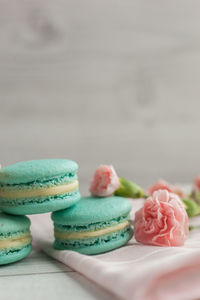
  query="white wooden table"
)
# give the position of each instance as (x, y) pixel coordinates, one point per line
(40, 277)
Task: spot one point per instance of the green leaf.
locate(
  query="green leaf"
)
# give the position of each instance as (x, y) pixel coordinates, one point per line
(129, 189)
(192, 208)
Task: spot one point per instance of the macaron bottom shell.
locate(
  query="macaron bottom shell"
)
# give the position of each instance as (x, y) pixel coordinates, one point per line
(7, 257)
(98, 245)
(38, 205)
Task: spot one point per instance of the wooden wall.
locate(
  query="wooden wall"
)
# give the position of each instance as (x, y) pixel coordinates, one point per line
(102, 82)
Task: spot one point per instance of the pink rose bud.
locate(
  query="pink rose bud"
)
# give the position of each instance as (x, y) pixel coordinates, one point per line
(162, 221)
(159, 185)
(197, 183)
(104, 182)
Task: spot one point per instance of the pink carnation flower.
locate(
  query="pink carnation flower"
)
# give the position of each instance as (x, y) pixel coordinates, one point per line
(162, 221)
(197, 183)
(164, 185)
(159, 185)
(104, 182)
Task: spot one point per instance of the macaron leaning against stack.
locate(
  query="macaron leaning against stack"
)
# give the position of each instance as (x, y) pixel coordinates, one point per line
(15, 238)
(93, 226)
(38, 186)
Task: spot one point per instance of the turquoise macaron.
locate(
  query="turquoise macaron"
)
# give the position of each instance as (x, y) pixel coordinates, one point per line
(93, 226)
(15, 238)
(38, 186)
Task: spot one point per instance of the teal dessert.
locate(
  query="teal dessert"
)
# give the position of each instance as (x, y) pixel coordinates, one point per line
(15, 238)
(38, 186)
(93, 226)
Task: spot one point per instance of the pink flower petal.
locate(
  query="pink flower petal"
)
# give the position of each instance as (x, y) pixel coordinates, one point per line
(104, 182)
(159, 185)
(197, 183)
(164, 185)
(162, 221)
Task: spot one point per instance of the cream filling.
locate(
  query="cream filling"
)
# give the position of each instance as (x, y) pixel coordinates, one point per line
(84, 235)
(40, 192)
(15, 242)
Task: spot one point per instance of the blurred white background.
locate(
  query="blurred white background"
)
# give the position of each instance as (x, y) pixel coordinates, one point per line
(115, 82)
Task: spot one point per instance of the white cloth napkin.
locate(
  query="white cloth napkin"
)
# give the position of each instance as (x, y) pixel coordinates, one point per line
(134, 271)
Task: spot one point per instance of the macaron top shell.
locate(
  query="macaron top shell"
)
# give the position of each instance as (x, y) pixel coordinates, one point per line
(92, 210)
(10, 224)
(30, 171)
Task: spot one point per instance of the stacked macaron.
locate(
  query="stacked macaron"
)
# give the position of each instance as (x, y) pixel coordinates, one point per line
(15, 238)
(32, 187)
(94, 225)
(97, 224)
(38, 186)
